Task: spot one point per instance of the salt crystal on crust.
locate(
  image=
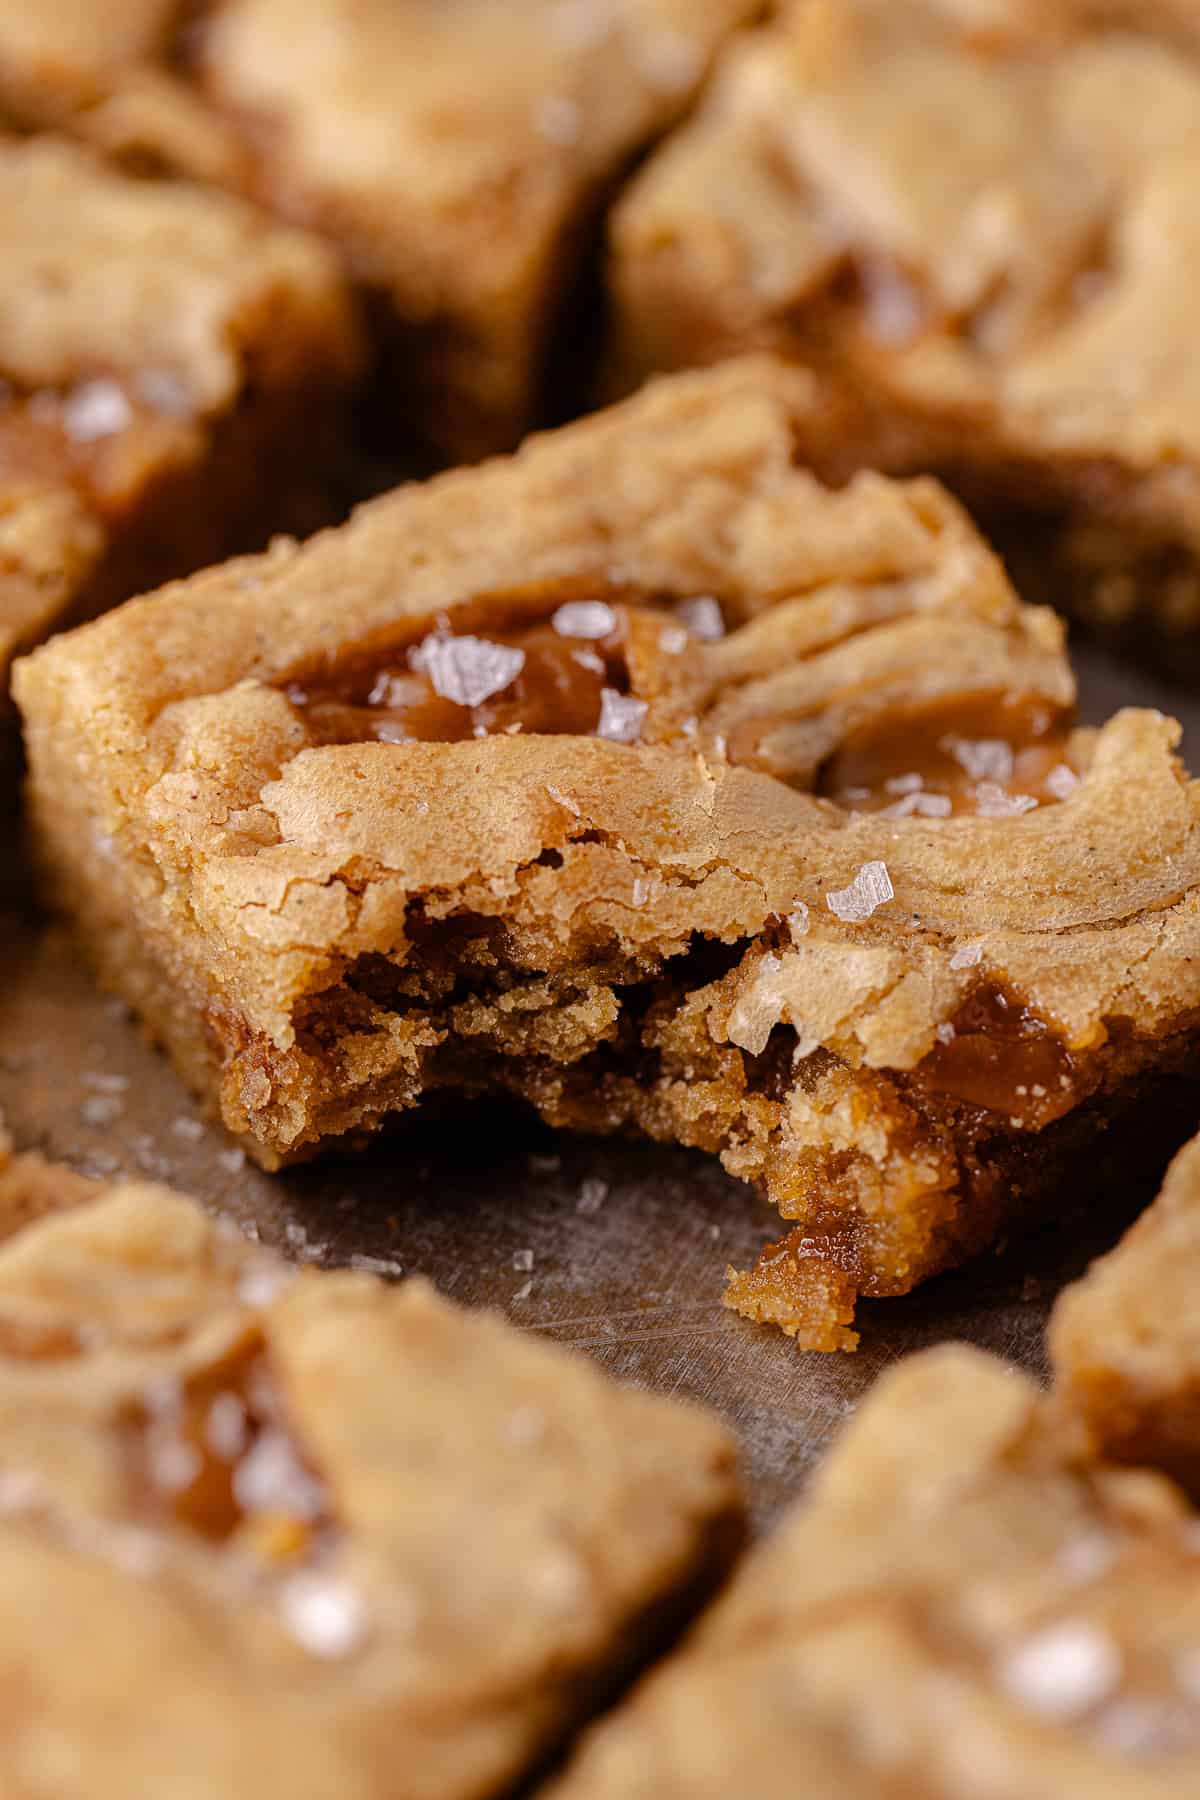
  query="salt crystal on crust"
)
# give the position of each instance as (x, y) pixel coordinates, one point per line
(621, 717)
(263, 1282)
(1062, 1671)
(585, 619)
(926, 806)
(96, 409)
(270, 1478)
(1061, 781)
(984, 759)
(966, 956)
(325, 1615)
(798, 920)
(870, 889)
(992, 802)
(592, 1194)
(703, 617)
(469, 670)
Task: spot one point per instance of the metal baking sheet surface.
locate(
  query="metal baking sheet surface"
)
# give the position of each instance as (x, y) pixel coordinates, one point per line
(616, 1248)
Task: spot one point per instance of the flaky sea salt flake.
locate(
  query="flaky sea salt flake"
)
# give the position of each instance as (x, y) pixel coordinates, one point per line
(966, 956)
(325, 1615)
(983, 759)
(994, 802)
(469, 670)
(592, 1195)
(96, 409)
(621, 717)
(870, 889)
(703, 617)
(1062, 1671)
(585, 619)
(1061, 781)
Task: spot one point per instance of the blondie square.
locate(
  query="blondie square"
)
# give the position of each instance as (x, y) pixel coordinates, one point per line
(172, 375)
(266, 1533)
(459, 156)
(960, 1609)
(977, 218)
(644, 778)
(1124, 1343)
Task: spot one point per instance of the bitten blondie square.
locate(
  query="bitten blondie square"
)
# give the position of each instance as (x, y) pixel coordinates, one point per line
(458, 156)
(960, 1610)
(172, 373)
(979, 222)
(644, 778)
(266, 1533)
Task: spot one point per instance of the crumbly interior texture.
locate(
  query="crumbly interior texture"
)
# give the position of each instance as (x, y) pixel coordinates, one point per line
(458, 157)
(898, 1026)
(1124, 1342)
(333, 1529)
(957, 1610)
(969, 310)
(173, 368)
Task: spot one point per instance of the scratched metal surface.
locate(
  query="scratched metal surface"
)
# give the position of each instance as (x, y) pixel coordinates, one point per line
(617, 1249)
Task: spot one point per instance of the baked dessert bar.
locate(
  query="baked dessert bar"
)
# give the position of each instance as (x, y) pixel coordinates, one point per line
(458, 156)
(644, 778)
(1124, 1343)
(1016, 315)
(172, 375)
(303, 1534)
(958, 1610)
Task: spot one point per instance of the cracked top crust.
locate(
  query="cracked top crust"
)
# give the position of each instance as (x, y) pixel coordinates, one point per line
(957, 1610)
(1124, 1342)
(1026, 299)
(279, 860)
(246, 1488)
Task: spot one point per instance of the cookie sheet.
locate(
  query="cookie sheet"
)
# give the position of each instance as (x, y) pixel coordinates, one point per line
(616, 1248)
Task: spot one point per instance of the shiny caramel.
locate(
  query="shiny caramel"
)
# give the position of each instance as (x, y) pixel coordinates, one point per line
(990, 754)
(1004, 1058)
(191, 1448)
(557, 690)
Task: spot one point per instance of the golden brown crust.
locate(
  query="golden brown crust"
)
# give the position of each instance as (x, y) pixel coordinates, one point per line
(654, 936)
(1123, 1340)
(969, 311)
(956, 1610)
(333, 1528)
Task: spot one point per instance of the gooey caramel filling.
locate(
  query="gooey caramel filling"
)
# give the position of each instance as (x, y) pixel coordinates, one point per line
(992, 755)
(1001, 1056)
(93, 436)
(569, 675)
(214, 1454)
